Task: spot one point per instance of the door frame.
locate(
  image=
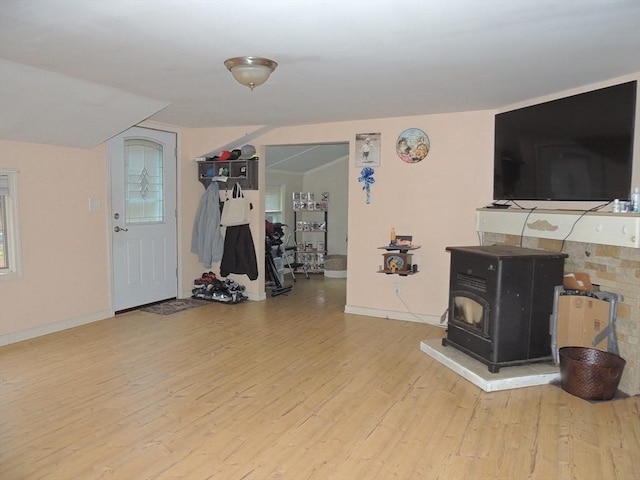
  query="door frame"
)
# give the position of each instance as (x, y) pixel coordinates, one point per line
(179, 257)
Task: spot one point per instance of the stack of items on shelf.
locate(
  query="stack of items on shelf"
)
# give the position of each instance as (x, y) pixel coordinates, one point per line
(302, 226)
(209, 287)
(306, 201)
(311, 258)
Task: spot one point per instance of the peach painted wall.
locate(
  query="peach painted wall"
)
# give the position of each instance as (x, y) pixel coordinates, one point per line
(434, 200)
(64, 245)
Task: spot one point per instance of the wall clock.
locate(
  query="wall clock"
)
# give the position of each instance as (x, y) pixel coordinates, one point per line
(412, 145)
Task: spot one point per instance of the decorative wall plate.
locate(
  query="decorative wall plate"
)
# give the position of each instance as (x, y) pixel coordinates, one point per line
(413, 145)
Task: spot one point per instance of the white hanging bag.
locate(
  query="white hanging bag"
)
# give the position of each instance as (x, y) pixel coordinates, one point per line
(236, 209)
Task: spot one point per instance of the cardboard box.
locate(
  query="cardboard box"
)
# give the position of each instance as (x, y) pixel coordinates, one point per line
(577, 281)
(580, 320)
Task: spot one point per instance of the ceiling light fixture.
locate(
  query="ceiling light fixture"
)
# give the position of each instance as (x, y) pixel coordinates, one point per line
(250, 71)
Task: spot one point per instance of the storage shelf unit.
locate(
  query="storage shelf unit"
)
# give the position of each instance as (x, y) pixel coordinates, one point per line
(309, 251)
(244, 172)
(311, 234)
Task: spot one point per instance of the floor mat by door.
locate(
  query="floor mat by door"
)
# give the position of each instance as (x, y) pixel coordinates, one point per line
(174, 306)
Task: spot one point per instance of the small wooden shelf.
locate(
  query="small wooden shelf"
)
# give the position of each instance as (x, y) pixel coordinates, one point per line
(397, 260)
(401, 248)
(402, 274)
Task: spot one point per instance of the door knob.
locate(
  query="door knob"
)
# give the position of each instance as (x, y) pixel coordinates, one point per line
(118, 229)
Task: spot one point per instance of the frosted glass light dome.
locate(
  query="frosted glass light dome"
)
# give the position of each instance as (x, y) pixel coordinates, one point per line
(250, 71)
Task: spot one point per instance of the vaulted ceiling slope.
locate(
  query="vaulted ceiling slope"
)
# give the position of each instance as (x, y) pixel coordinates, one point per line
(96, 68)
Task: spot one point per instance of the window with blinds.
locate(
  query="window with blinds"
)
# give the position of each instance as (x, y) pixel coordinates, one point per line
(273, 203)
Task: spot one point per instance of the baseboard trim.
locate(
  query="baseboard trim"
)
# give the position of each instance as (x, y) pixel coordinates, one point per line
(393, 315)
(256, 297)
(335, 273)
(15, 337)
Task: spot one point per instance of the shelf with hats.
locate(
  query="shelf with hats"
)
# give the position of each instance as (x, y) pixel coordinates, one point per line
(230, 167)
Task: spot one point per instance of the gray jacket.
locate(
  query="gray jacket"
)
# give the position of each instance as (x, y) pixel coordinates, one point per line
(206, 238)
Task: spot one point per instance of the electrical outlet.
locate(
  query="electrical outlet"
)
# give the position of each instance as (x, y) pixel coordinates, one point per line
(396, 288)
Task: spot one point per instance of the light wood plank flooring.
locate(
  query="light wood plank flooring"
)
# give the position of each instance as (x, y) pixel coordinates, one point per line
(289, 388)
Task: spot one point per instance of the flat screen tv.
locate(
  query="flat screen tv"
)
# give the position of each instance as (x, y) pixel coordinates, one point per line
(576, 148)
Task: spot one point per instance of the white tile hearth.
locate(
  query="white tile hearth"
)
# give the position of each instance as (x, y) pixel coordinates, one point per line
(477, 372)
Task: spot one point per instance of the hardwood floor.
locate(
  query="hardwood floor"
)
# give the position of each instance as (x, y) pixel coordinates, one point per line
(288, 388)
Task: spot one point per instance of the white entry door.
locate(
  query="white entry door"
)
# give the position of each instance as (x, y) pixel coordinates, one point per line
(143, 217)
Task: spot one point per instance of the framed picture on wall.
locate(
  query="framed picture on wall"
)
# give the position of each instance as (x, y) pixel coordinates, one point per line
(367, 149)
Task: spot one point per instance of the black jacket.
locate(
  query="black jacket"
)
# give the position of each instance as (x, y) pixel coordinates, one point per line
(239, 253)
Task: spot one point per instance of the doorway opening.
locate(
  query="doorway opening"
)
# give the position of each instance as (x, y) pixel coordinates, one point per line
(299, 171)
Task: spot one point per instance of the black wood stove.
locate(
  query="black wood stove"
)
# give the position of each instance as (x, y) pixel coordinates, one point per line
(501, 302)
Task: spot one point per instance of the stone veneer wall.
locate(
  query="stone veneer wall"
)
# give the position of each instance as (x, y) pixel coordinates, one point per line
(614, 269)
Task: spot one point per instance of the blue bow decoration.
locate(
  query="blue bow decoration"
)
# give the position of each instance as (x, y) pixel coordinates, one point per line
(366, 176)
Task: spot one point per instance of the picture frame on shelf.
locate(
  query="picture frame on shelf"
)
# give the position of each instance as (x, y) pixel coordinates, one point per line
(404, 240)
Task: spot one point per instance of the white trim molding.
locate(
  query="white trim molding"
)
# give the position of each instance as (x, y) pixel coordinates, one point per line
(606, 228)
(15, 337)
(393, 315)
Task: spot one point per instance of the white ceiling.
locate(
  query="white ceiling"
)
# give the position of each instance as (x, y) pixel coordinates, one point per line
(76, 72)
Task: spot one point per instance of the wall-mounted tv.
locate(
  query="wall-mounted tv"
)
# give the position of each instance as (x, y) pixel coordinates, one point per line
(576, 148)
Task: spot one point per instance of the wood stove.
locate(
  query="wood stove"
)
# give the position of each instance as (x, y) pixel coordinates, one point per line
(501, 302)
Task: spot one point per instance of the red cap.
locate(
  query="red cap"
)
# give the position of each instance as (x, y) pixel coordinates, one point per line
(225, 155)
